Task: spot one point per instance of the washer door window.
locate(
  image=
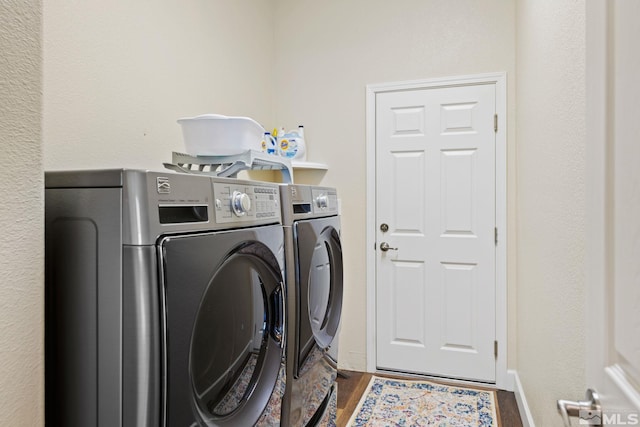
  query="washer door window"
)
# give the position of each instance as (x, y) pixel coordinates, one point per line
(319, 258)
(223, 326)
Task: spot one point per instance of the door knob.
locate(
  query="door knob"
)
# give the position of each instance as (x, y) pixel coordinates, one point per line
(588, 410)
(384, 247)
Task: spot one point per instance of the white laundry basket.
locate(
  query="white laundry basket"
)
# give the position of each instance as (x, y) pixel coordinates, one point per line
(219, 135)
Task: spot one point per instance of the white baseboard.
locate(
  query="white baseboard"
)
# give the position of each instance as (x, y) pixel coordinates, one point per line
(523, 407)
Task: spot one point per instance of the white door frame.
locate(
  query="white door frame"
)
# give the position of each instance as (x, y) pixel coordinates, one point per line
(500, 81)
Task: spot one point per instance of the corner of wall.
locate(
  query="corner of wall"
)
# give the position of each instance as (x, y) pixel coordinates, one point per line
(21, 191)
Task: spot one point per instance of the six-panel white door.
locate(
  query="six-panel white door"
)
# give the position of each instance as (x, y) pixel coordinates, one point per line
(435, 191)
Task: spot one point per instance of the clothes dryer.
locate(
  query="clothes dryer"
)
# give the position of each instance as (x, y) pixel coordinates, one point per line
(164, 300)
(314, 282)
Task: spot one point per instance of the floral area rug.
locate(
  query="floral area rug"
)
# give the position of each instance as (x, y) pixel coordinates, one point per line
(391, 402)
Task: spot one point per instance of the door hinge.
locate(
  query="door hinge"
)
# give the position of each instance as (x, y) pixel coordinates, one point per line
(495, 123)
(495, 349)
(495, 235)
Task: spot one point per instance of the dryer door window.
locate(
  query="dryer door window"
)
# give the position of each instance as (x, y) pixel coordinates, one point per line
(237, 320)
(319, 254)
(224, 325)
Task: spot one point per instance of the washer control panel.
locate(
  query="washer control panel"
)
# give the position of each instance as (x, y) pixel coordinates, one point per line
(238, 203)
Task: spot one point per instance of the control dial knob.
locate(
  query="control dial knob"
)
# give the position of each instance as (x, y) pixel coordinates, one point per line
(322, 201)
(240, 203)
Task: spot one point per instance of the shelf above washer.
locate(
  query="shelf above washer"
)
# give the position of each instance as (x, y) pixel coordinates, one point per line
(309, 165)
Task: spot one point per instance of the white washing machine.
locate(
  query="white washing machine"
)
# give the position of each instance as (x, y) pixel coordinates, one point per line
(314, 282)
(164, 300)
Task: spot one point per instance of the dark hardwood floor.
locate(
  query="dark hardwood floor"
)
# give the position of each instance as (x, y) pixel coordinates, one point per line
(350, 390)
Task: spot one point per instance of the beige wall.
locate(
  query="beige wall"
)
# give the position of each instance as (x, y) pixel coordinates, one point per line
(118, 75)
(21, 244)
(327, 52)
(551, 203)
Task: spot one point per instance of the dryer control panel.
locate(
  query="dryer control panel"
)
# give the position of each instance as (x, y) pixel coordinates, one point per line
(307, 201)
(241, 202)
(325, 200)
